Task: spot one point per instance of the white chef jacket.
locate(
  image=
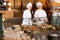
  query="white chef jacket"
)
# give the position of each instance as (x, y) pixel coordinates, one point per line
(27, 17)
(40, 14)
(55, 18)
(55, 14)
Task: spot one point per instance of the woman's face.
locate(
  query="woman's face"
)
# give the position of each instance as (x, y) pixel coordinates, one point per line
(39, 7)
(30, 7)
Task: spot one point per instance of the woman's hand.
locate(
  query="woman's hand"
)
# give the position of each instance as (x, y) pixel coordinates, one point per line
(39, 19)
(46, 21)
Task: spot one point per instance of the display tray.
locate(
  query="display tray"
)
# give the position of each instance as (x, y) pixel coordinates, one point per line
(55, 4)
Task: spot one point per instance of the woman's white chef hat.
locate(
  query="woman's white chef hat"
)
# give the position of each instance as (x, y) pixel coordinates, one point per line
(29, 4)
(39, 4)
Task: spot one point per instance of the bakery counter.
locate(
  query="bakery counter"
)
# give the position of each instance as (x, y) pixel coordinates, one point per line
(13, 29)
(19, 32)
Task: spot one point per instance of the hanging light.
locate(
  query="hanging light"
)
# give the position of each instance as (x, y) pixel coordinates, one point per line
(9, 4)
(9, 9)
(3, 19)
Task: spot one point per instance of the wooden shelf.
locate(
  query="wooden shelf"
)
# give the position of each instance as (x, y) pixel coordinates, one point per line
(7, 11)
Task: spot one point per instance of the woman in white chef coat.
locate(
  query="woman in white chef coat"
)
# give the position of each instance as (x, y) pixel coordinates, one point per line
(27, 15)
(40, 14)
(56, 17)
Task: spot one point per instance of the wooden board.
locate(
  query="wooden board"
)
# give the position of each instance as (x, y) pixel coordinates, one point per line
(8, 14)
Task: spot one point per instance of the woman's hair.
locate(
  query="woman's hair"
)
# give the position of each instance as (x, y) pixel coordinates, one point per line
(29, 4)
(39, 4)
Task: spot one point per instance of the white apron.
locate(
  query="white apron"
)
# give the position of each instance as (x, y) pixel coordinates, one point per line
(27, 18)
(55, 18)
(42, 15)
